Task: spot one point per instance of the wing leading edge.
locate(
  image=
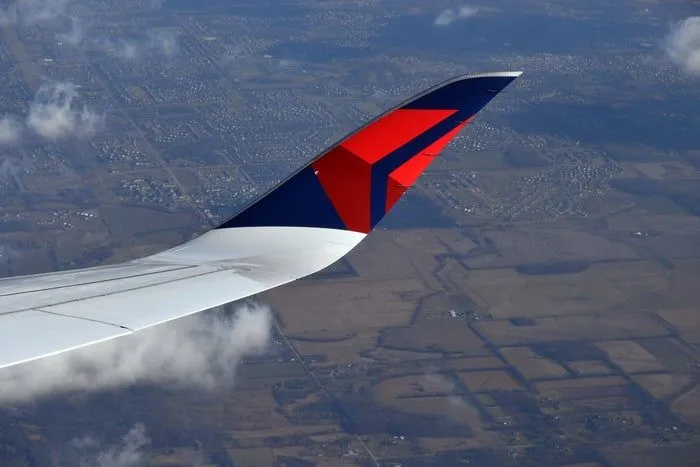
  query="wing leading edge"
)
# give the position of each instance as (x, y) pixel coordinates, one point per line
(306, 223)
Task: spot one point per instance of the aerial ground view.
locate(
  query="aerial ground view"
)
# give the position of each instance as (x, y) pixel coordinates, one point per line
(533, 301)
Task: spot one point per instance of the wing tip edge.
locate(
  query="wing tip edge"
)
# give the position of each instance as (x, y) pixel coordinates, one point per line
(488, 74)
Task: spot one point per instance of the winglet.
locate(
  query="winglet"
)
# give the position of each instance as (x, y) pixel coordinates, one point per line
(352, 185)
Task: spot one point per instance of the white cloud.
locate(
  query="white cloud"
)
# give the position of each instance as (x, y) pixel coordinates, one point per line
(683, 45)
(30, 12)
(10, 130)
(202, 351)
(54, 113)
(451, 15)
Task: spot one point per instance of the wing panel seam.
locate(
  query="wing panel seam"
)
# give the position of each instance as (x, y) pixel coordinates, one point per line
(143, 274)
(84, 319)
(82, 299)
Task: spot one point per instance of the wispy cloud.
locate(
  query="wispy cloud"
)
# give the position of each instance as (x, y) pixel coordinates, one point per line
(7, 252)
(683, 45)
(448, 386)
(450, 15)
(10, 130)
(159, 42)
(30, 12)
(201, 351)
(54, 113)
(124, 49)
(130, 452)
(133, 450)
(76, 34)
(163, 41)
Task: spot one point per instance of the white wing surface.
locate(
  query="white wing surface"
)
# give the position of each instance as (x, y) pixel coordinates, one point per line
(50, 313)
(305, 224)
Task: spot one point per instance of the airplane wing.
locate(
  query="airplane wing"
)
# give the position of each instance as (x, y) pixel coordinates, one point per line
(306, 223)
